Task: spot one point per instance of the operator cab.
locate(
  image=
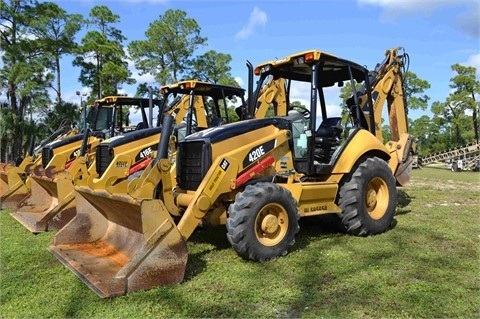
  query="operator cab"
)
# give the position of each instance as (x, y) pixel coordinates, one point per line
(207, 107)
(319, 136)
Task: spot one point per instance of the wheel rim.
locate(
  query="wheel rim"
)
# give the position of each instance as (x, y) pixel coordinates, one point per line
(271, 224)
(377, 198)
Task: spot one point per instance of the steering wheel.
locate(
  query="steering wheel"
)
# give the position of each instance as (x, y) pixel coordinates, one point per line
(305, 112)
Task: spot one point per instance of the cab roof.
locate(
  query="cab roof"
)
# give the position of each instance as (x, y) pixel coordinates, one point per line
(126, 100)
(216, 91)
(298, 67)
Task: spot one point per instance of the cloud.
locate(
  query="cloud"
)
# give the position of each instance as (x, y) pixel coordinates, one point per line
(239, 80)
(138, 75)
(258, 18)
(395, 8)
(467, 22)
(474, 60)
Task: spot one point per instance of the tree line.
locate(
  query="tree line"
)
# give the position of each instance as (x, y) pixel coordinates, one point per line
(35, 36)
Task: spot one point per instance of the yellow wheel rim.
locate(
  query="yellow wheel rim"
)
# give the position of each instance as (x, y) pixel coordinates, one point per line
(377, 198)
(271, 224)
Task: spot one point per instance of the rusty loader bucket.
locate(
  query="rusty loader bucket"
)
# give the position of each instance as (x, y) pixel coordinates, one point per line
(50, 205)
(117, 244)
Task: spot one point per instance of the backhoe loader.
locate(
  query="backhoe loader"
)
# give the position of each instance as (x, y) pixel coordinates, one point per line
(15, 181)
(120, 158)
(200, 107)
(258, 177)
(34, 153)
(14, 177)
(49, 204)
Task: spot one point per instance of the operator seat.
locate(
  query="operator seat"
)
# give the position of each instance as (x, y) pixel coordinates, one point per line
(329, 131)
(327, 139)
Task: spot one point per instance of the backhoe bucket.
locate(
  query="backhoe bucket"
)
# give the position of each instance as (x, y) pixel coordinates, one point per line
(50, 205)
(117, 244)
(17, 187)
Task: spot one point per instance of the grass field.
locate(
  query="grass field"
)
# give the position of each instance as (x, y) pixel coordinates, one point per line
(427, 266)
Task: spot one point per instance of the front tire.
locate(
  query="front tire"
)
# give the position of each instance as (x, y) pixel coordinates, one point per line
(368, 198)
(262, 222)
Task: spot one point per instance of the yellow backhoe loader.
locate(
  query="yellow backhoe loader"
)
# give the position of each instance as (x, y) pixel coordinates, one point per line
(13, 177)
(258, 177)
(15, 181)
(122, 157)
(202, 105)
(49, 204)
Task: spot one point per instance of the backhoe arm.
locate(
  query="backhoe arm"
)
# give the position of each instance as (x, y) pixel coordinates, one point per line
(273, 92)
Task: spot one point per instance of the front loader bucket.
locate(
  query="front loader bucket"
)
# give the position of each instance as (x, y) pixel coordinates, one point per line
(17, 189)
(116, 244)
(3, 182)
(50, 205)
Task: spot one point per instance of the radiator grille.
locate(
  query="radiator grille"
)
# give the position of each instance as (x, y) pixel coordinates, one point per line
(103, 157)
(193, 162)
(47, 154)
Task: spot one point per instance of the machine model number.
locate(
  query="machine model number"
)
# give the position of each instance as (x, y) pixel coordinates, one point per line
(75, 154)
(257, 152)
(146, 152)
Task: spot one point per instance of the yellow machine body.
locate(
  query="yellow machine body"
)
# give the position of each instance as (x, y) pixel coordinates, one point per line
(258, 177)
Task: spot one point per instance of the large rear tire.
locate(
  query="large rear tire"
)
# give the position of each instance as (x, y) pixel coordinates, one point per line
(368, 198)
(262, 222)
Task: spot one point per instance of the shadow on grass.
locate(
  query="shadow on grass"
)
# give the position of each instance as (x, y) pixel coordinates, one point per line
(215, 239)
(314, 227)
(404, 200)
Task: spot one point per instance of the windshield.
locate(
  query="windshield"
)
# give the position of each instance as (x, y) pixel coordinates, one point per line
(104, 118)
(87, 117)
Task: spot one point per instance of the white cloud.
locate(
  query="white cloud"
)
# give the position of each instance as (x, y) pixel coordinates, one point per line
(467, 21)
(239, 81)
(143, 78)
(137, 74)
(474, 60)
(394, 8)
(258, 18)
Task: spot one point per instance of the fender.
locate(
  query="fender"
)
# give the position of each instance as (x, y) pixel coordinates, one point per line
(360, 142)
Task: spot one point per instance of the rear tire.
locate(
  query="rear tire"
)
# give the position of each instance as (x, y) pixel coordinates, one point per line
(368, 198)
(262, 222)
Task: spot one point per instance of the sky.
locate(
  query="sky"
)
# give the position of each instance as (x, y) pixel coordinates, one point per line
(435, 33)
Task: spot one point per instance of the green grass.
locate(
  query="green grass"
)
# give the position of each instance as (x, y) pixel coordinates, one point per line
(427, 266)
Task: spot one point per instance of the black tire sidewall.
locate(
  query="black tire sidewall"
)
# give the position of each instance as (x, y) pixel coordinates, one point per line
(265, 193)
(373, 168)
